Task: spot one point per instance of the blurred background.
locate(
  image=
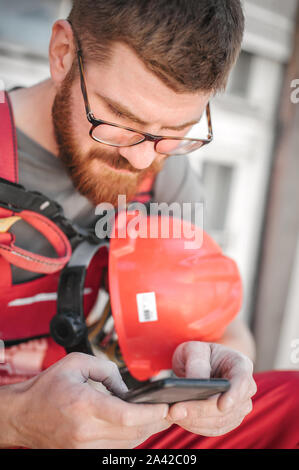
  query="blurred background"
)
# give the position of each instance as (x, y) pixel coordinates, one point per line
(250, 172)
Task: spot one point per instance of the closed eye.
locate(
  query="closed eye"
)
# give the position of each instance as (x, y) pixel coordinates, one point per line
(121, 115)
(180, 132)
(116, 113)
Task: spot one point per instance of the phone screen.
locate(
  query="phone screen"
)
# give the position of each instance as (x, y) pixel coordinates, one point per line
(175, 390)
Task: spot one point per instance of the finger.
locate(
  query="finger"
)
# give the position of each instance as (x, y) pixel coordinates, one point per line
(199, 409)
(209, 425)
(94, 429)
(86, 428)
(242, 387)
(214, 432)
(205, 409)
(221, 420)
(192, 359)
(116, 411)
(133, 433)
(101, 370)
(238, 368)
(123, 443)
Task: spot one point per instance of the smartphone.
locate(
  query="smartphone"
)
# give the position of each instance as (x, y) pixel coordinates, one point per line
(173, 390)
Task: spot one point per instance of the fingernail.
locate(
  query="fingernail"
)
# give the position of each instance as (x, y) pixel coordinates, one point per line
(178, 414)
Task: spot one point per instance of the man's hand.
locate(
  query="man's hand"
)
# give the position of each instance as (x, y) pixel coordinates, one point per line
(223, 412)
(60, 409)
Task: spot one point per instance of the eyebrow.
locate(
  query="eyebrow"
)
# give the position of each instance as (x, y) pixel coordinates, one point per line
(119, 108)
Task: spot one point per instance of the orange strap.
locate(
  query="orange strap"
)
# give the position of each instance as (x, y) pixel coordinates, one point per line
(31, 261)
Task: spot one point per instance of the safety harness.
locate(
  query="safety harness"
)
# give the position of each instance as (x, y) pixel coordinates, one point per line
(68, 286)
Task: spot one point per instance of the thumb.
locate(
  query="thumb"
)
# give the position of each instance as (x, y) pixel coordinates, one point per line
(97, 369)
(192, 360)
(107, 373)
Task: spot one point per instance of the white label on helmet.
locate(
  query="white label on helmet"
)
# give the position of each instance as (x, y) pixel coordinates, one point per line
(147, 308)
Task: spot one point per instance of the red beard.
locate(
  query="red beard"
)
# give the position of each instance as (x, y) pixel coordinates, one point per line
(89, 172)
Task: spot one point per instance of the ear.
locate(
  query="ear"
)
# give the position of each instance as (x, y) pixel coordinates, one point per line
(61, 51)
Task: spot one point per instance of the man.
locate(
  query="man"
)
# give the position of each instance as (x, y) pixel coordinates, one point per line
(151, 65)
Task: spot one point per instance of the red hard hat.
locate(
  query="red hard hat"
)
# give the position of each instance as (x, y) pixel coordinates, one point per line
(163, 294)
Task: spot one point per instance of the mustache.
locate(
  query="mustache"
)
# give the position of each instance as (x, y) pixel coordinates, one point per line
(113, 160)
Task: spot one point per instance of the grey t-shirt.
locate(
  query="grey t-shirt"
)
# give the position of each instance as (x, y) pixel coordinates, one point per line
(39, 170)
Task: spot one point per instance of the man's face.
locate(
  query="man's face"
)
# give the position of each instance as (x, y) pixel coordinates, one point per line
(124, 92)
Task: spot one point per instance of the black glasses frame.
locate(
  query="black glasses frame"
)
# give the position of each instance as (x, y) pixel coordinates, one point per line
(146, 136)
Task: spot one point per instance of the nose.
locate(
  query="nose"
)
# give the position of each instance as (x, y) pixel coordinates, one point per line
(140, 156)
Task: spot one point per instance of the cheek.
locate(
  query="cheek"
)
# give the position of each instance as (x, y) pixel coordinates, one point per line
(78, 121)
(79, 127)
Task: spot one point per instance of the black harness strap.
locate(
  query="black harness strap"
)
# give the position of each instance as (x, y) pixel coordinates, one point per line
(16, 198)
(68, 327)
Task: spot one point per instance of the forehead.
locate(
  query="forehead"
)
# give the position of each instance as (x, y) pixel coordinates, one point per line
(126, 79)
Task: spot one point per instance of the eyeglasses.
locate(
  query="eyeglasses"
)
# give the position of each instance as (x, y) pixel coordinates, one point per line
(116, 135)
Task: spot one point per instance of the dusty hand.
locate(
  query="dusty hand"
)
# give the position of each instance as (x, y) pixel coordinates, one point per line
(60, 409)
(223, 412)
